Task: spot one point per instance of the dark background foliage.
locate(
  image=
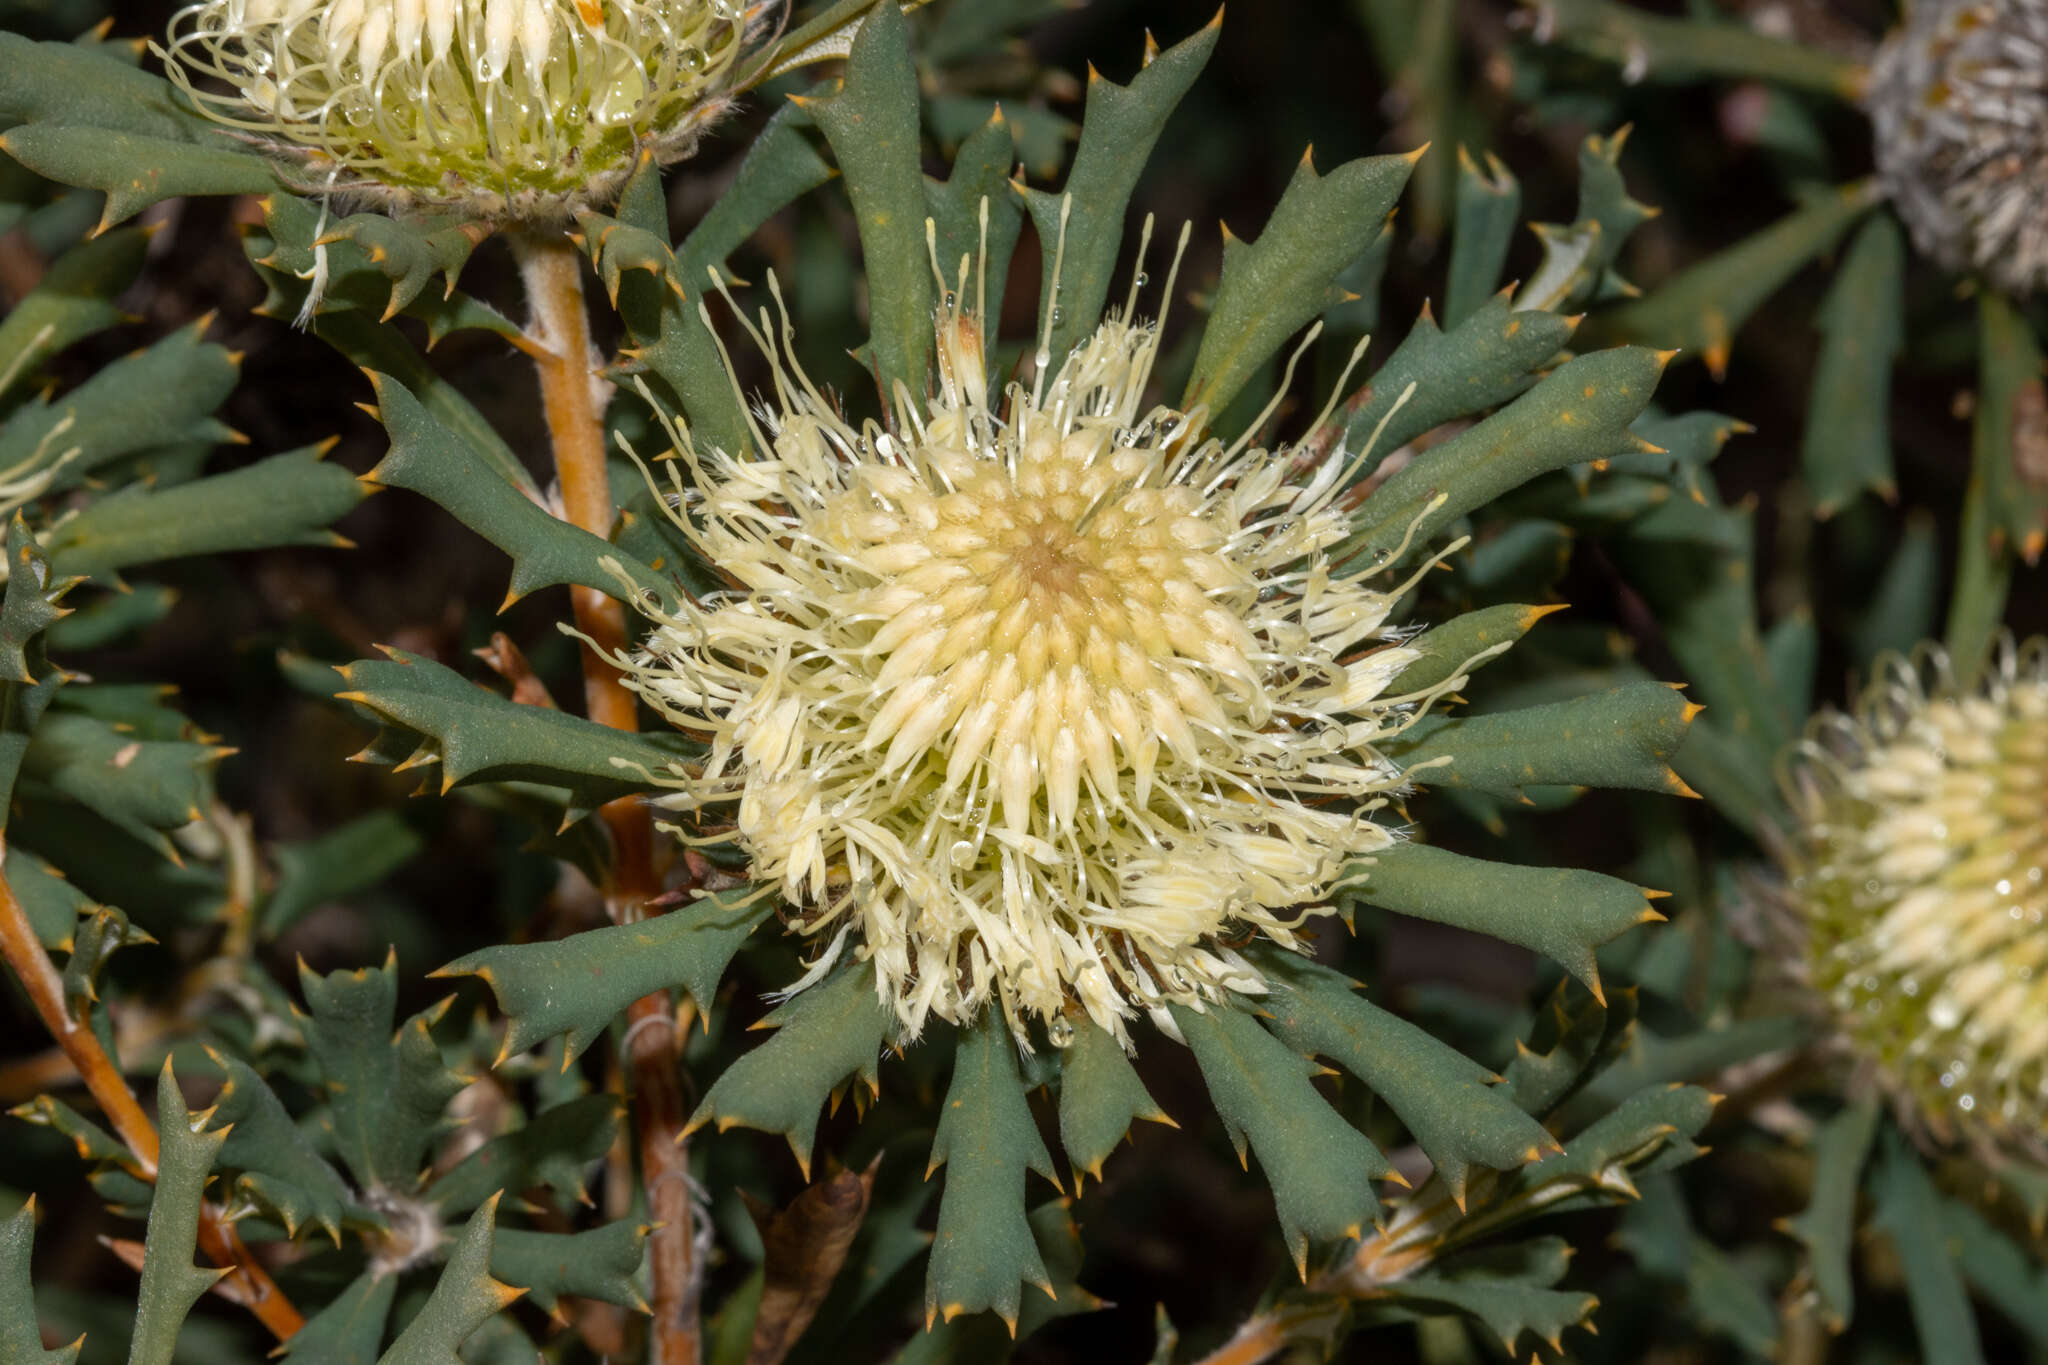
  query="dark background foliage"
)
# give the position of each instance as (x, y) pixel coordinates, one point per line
(1182, 1227)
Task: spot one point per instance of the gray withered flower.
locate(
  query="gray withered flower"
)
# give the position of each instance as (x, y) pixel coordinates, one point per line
(1959, 100)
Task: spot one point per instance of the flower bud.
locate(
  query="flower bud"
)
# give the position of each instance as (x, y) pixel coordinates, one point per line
(513, 110)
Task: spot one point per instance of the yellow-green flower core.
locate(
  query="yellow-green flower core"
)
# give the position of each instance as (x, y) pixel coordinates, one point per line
(517, 109)
(1040, 704)
(1918, 870)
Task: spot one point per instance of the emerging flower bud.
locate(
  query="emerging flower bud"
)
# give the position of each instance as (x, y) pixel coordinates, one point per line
(521, 110)
(1959, 97)
(1046, 699)
(1918, 878)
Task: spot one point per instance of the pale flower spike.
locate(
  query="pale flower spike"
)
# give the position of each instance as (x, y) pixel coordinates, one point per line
(1052, 699)
(1915, 885)
(509, 110)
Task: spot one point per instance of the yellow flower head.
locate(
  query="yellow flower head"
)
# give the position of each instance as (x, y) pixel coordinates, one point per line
(1046, 701)
(505, 109)
(1917, 873)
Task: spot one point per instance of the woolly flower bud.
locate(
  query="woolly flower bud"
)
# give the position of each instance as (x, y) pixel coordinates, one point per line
(505, 109)
(1048, 700)
(1959, 97)
(1916, 873)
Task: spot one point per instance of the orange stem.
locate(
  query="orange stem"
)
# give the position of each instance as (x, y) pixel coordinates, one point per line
(248, 1284)
(572, 399)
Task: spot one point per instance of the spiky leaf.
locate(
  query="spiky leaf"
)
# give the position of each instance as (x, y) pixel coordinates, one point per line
(1458, 1113)
(1100, 1097)
(171, 1284)
(1489, 202)
(577, 985)
(20, 1341)
(986, 1140)
(280, 1168)
(831, 1031)
(135, 170)
(1118, 131)
(74, 299)
(1580, 411)
(1272, 287)
(981, 174)
(432, 460)
(386, 1092)
(872, 125)
(1509, 1289)
(1621, 738)
(463, 1300)
(1908, 1212)
(598, 1263)
(1319, 1166)
(1827, 1225)
(1848, 430)
(553, 1150)
(350, 1328)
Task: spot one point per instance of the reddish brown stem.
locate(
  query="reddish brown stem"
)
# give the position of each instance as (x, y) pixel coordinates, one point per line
(248, 1283)
(572, 399)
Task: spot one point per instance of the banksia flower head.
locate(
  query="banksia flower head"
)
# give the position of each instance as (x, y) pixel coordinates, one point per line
(1959, 97)
(1918, 874)
(520, 110)
(1045, 701)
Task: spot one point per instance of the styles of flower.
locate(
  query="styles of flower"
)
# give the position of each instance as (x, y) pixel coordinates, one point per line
(1043, 701)
(505, 110)
(1918, 874)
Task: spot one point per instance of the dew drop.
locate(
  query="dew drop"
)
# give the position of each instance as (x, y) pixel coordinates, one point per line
(1143, 279)
(1059, 1031)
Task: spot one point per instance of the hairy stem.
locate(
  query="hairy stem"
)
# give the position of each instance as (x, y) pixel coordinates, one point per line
(248, 1283)
(573, 400)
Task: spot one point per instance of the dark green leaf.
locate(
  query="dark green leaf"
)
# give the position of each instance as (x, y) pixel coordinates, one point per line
(578, 985)
(463, 1300)
(829, 1032)
(1908, 1211)
(1620, 738)
(1083, 225)
(554, 1150)
(21, 1343)
(171, 1284)
(986, 1140)
(1100, 1097)
(337, 865)
(1320, 1167)
(280, 1169)
(1848, 445)
(348, 1330)
(597, 1264)
(135, 170)
(1827, 1225)
(1489, 206)
(872, 125)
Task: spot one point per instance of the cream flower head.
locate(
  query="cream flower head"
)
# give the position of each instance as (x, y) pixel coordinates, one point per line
(1918, 874)
(1044, 701)
(505, 109)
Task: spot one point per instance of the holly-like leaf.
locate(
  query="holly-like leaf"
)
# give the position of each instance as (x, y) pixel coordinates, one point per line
(554, 1150)
(1908, 1213)
(433, 460)
(21, 1343)
(171, 1284)
(138, 785)
(599, 1263)
(350, 1328)
(872, 124)
(987, 1140)
(1489, 202)
(279, 1167)
(1562, 913)
(829, 1032)
(981, 175)
(1464, 644)
(479, 736)
(1320, 1168)
(1456, 1109)
(1272, 287)
(463, 1300)
(387, 1092)
(578, 985)
(1580, 411)
(1083, 224)
(135, 170)
(1509, 1289)
(1622, 738)
(1848, 444)
(288, 499)
(1100, 1097)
